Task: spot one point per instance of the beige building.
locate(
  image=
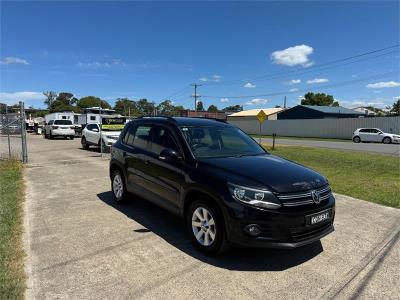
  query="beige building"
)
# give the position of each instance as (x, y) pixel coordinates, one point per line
(251, 114)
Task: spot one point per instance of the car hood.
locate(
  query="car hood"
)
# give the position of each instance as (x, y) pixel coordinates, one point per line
(111, 133)
(267, 170)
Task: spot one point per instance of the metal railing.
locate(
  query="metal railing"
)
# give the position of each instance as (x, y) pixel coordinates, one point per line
(13, 134)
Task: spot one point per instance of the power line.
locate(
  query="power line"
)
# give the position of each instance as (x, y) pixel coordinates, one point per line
(318, 67)
(195, 95)
(350, 82)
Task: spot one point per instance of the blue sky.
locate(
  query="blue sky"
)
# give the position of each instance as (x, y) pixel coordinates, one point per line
(153, 50)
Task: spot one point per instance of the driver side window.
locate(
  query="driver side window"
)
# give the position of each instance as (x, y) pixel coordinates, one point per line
(162, 139)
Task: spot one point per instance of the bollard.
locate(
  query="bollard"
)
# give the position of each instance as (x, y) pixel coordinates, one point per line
(273, 141)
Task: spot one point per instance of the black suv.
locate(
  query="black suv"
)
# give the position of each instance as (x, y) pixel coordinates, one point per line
(226, 186)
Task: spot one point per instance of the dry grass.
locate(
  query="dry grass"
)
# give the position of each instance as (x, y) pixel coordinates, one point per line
(12, 275)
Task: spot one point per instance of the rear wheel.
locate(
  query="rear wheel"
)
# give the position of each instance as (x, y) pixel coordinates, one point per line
(118, 186)
(71, 137)
(387, 140)
(205, 225)
(84, 143)
(356, 139)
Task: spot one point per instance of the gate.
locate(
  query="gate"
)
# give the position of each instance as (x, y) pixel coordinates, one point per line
(13, 134)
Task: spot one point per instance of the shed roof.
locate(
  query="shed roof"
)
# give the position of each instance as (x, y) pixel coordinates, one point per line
(254, 112)
(333, 109)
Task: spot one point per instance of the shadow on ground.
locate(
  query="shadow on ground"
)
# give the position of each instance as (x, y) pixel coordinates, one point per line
(172, 229)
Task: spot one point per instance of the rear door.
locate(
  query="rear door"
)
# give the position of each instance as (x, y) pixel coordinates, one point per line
(163, 178)
(365, 135)
(375, 136)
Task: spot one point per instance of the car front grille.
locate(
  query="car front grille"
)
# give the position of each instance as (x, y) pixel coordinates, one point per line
(305, 198)
(302, 233)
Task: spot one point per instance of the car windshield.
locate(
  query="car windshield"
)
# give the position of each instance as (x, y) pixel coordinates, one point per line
(63, 122)
(219, 141)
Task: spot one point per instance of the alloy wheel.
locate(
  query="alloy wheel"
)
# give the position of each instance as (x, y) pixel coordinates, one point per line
(118, 187)
(203, 226)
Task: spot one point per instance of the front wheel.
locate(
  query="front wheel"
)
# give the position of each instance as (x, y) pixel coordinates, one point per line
(118, 186)
(356, 139)
(205, 225)
(387, 140)
(84, 143)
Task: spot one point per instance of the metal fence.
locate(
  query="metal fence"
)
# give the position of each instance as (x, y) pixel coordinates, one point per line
(320, 128)
(13, 134)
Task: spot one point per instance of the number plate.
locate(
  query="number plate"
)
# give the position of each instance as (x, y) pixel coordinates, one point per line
(319, 217)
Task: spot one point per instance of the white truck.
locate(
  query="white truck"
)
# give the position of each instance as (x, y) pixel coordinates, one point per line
(102, 134)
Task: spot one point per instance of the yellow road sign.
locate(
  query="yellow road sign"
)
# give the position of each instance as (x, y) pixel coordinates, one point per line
(261, 116)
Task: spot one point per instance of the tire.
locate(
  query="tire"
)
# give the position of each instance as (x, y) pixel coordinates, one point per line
(84, 143)
(51, 135)
(71, 137)
(118, 186)
(206, 227)
(387, 140)
(356, 139)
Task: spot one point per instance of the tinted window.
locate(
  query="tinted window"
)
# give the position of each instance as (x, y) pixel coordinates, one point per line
(130, 135)
(142, 137)
(64, 117)
(63, 122)
(92, 118)
(374, 131)
(218, 141)
(365, 130)
(162, 139)
(51, 122)
(91, 127)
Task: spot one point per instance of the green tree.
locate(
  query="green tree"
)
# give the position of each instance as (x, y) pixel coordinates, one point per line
(200, 106)
(395, 107)
(145, 108)
(50, 98)
(166, 108)
(92, 101)
(126, 107)
(212, 108)
(319, 99)
(234, 108)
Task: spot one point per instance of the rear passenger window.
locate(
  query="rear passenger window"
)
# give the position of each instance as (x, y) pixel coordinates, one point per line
(130, 135)
(162, 139)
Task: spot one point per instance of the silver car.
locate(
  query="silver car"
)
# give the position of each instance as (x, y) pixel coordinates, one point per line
(374, 135)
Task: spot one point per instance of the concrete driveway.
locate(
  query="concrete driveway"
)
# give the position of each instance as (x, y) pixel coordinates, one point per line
(390, 149)
(81, 245)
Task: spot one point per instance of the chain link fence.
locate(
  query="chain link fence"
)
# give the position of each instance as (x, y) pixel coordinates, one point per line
(13, 134)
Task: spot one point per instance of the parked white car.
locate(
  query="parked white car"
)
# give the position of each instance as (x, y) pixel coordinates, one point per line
(374, 135)
(91, 136)
(63, 128)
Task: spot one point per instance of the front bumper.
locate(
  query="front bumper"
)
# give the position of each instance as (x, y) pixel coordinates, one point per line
(284, 228)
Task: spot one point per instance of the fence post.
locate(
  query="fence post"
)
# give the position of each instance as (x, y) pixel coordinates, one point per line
(8, 133)
(273, 141)
(23, 133)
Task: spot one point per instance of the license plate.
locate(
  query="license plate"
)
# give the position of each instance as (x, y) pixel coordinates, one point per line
(319, 217)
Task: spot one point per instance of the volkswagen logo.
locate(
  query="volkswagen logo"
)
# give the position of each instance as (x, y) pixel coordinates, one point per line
(316, 196)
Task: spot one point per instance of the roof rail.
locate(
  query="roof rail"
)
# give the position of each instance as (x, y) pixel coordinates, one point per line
(215, 119)
(159, 116)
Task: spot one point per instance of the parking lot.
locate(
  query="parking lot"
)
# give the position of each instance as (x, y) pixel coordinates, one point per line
(80, 244)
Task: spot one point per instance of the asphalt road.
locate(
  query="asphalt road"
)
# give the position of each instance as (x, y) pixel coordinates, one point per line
(81, 245)
(391, 149)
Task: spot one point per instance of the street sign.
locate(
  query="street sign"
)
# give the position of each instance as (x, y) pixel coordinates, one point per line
(261, 116)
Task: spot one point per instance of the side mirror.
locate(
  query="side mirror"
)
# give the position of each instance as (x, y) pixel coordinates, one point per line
(169, 155)
(95, 130)
(380, 133)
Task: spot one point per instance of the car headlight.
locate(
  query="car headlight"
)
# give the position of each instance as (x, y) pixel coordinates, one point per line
(261, 198)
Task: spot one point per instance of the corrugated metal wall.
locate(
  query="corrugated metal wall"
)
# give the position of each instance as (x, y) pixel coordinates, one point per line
(323, 128)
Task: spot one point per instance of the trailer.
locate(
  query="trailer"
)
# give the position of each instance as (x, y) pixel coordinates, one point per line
(65, 115)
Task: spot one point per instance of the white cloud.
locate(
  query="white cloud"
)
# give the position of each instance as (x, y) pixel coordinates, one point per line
(294, 90)
(257, 101)
(217, 77)
(249, 85)
(294, 81)
(292, 56)
(102, 64)
(13, 60)
(317, 80)
(224, 100)
(28, 97)
(204, 79)
(378, 102)
(383, 84)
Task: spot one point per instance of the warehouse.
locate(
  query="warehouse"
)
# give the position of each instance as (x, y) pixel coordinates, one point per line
(318, 112)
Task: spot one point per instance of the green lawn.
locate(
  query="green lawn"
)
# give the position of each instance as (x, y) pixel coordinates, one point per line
(370, 177)
(12, 278)
(256, 136)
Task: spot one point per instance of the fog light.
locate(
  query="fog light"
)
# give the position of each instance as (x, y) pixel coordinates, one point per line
(253, 229)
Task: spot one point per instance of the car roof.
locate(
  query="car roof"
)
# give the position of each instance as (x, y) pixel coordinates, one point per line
(185, 121)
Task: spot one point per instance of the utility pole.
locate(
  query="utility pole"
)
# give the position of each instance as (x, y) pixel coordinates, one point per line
(195, 95)
(284, 103)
